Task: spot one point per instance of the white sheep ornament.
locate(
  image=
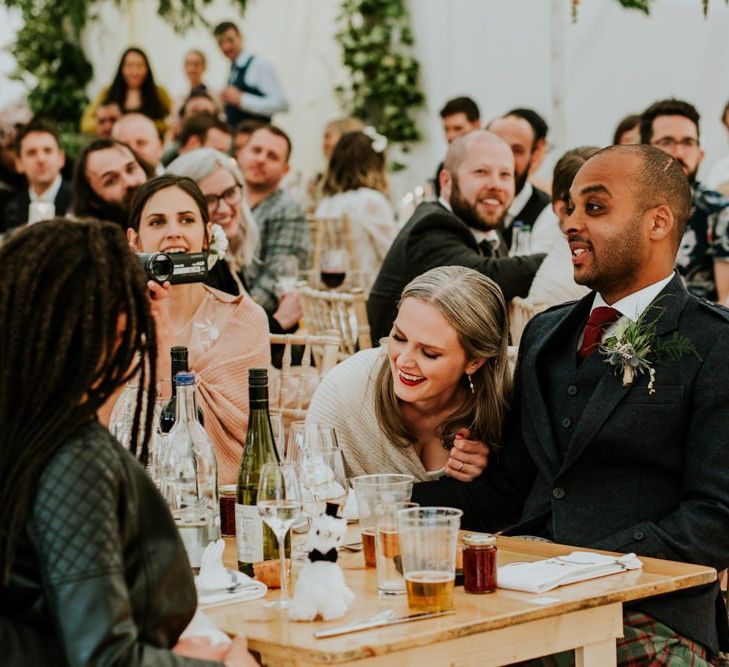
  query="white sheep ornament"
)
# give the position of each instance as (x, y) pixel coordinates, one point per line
(320, 589)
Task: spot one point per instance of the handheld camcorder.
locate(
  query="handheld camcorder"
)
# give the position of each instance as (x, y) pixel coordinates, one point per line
(177, 267)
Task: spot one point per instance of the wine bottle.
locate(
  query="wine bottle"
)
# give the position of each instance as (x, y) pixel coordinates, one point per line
(188, 475)
(255, 541)
(179, 364)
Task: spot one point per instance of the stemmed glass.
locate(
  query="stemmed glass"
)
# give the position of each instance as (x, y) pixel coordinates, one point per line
(333, 267)
(279, 504)
(323, 479)
(303, 436)
(287, 274)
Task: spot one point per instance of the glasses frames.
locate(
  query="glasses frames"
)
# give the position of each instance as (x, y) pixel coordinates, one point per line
(232, 196)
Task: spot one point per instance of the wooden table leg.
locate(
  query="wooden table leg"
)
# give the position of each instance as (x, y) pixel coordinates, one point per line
(599, 654)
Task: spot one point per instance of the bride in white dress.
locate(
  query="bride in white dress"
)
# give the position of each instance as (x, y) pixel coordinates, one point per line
(356, 185)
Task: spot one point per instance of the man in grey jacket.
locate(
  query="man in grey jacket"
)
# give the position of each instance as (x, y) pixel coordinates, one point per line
(596, 456)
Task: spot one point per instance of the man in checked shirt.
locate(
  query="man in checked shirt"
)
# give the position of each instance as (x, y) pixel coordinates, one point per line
(264, 161)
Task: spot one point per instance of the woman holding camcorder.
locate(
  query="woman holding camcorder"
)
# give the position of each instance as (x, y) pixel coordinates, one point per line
(225, 335)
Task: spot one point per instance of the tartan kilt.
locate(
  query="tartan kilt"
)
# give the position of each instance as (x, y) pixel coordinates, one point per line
(645, 642)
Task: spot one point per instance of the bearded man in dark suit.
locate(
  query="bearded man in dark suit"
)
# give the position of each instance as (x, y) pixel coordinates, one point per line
(595, 458)
(477, 187)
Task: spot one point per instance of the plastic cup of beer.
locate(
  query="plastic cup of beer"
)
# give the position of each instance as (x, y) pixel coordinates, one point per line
(390, 580)
(373, 490)
(428, 542)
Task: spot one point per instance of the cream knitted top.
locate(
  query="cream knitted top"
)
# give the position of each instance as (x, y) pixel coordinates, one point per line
(345, 399)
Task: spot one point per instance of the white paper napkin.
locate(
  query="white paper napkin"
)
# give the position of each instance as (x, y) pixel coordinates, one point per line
(217, 585)
(544, 575)
(202, 626)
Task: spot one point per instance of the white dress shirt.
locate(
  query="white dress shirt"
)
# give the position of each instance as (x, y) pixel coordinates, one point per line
(518, 204)
(261, 75)
(49, 194)
(631, 306)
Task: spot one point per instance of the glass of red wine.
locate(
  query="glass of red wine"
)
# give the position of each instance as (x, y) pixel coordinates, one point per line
(333, 267)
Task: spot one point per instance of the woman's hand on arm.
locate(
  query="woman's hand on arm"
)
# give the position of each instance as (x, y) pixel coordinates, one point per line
(468, 458)
(289, 310)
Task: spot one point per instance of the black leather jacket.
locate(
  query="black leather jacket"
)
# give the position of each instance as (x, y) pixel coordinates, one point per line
(101, 576)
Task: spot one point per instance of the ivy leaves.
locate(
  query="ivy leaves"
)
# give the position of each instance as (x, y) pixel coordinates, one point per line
(383, 89)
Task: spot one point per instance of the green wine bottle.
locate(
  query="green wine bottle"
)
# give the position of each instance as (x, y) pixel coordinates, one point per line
(254, 539)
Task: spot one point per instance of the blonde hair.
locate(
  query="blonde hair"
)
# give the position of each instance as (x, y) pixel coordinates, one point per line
(474, 306)
(199, 164)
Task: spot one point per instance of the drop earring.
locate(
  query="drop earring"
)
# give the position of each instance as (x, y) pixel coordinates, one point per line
(470, 383)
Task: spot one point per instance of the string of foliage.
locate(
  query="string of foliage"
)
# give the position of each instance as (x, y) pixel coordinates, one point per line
(383, 90)
(640, 5)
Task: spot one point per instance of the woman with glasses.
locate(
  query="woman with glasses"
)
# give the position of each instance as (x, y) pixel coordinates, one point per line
(219, 178)
(225, 334)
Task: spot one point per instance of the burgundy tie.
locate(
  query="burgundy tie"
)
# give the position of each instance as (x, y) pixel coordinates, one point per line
(599, 319)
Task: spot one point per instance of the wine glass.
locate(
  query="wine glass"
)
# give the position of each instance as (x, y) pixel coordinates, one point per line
(277, 428)
(323, 480)
(279, 504)
(287, 274)
(304, 436)
(333, 267)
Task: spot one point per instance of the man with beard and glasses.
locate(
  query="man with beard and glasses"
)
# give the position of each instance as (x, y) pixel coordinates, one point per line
(599, 460)
(529, 201)
(107, 175)
(477, 187)
(703, 257)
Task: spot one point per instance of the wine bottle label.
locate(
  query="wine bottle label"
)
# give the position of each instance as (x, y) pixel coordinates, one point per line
(248, 533)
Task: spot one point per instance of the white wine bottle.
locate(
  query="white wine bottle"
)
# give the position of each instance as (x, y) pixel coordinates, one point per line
(254, 539)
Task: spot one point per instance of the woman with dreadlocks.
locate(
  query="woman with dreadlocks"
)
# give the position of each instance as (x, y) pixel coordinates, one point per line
(93, 570)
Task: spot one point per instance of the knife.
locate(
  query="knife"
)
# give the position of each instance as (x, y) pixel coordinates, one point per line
(377, 623)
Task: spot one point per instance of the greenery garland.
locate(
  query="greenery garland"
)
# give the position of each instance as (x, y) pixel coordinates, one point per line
(383, 90)
(51, 62)
(640, 5)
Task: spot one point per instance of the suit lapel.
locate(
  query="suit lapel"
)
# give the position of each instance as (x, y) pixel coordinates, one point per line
(539, 416)
(665, 310)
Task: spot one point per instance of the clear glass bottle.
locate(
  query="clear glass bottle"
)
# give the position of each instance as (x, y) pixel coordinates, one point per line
(188, 475)
(521, 240)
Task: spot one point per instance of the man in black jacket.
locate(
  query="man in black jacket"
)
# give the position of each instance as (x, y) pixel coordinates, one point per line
(529, 201)
(596, 456)
(477, 187)
(40, 158)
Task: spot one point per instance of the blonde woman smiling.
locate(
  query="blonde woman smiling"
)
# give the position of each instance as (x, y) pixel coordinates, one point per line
(432, 400)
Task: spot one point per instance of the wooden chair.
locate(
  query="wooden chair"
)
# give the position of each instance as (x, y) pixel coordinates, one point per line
(296, 384)
(343, 312)
(333, 233)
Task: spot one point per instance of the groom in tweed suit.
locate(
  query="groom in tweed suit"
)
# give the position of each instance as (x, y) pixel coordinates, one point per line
(591, 462)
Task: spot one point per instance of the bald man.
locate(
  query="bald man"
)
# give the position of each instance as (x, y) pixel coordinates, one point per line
(528, 201)
(477, 187)
(598, 459)
(140, 133)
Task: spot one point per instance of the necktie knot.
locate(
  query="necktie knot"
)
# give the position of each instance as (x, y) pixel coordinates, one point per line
(600, 318)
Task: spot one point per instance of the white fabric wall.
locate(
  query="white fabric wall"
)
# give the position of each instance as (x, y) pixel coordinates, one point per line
(583, 77)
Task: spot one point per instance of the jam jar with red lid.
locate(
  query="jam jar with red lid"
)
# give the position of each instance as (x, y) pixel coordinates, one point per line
(479, 563)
